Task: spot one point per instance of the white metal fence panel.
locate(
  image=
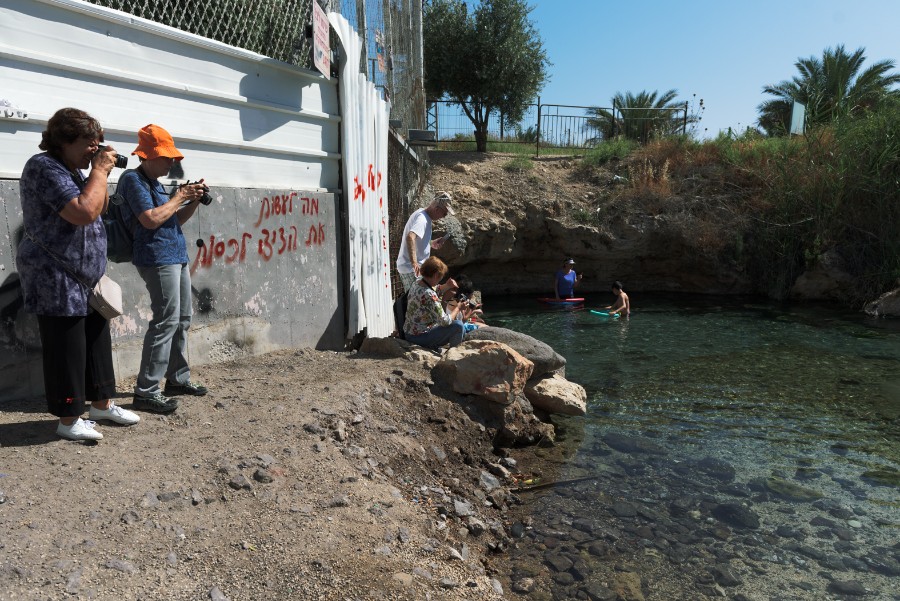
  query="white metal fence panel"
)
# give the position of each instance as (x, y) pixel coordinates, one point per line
(365, 175)
(242, 119)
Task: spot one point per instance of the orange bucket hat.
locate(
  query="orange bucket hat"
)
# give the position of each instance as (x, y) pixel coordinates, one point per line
(154, 141)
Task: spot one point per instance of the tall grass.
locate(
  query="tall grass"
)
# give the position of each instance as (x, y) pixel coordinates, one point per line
(609, 150)
(835, 190)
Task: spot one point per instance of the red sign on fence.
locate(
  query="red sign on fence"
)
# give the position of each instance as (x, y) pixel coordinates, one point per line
(321, 48)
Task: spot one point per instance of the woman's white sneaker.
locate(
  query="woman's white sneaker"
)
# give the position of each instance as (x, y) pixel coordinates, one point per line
(80, 429)
(114, 413)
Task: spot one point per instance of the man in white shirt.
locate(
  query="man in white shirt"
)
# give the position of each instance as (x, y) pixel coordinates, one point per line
(416, 242)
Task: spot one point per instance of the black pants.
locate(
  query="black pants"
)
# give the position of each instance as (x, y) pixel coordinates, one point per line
(78, 363)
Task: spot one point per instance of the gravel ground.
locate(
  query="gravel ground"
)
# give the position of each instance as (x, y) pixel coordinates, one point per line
(302, 475)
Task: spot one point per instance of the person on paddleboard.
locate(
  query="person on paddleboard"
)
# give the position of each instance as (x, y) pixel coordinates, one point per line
(566, 279)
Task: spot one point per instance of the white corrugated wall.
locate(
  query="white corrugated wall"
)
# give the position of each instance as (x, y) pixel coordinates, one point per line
(364, 150)
(244, 120)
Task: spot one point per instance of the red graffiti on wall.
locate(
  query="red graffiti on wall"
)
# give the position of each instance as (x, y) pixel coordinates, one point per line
(372, 182)
(277, 205)
(277, 241)
(235, 248)
(310, 205)
(316, 236)
(270, 241)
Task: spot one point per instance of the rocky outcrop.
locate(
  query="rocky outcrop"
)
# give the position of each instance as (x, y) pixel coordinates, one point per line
(542, 355)
(485, 368)
(886, 305)
(827, 279)
(520, 426)
(555, 394)
(495, 379)
(519, 250)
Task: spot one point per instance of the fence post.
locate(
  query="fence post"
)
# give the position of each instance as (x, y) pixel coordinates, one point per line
(361, 24)
(684, 128)
(537, 151)
(501, 126)
(612, 128)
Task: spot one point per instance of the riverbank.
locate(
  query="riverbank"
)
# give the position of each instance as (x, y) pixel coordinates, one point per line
(302, 475)
(319, 475)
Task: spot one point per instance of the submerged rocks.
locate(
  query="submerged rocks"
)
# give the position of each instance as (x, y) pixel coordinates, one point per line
(717, 469)
(632, 444)
(791, 491)
(737, 515)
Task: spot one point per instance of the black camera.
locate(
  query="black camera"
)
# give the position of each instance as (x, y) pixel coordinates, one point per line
(206, 199)
(462, 298)
(121, 162)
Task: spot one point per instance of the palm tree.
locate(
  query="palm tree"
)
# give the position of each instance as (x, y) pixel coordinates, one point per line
(638, 116)
(831, 87)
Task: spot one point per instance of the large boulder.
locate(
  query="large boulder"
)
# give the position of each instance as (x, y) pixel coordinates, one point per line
(555, 394)
(886, 305)
(827, 279)
(485, 368)
(542, 355)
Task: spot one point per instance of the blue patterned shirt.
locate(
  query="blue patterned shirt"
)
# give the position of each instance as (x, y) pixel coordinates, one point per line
(152, 248)
(45, 188)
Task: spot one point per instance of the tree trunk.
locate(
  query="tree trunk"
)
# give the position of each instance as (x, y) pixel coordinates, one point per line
(481, 137)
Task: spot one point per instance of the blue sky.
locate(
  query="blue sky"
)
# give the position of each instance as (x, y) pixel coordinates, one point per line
(724, 51)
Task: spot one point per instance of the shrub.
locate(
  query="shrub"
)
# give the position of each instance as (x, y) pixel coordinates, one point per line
(617, 148)
(519, 164)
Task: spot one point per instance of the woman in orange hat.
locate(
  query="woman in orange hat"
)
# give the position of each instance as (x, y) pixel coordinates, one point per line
(160, 255)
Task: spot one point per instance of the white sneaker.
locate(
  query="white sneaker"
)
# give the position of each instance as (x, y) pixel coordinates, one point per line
(81, 429)
(114, 414)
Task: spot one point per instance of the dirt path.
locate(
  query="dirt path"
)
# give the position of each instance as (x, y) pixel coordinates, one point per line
(302, 475)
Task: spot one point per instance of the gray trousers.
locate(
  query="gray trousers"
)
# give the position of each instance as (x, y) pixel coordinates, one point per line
(165, 344)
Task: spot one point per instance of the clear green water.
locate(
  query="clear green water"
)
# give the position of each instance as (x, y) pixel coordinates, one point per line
(760, 384)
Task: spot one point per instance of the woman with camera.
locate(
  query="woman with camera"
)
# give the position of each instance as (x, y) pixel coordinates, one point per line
(427, 323)
(160, 255)
(62, 255)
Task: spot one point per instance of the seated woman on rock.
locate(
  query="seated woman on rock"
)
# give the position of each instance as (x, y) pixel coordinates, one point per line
(427, 323)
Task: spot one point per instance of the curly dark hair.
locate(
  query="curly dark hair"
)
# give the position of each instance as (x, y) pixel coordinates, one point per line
(67, 125)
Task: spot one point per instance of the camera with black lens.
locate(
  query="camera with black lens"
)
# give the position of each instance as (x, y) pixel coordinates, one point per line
(121, 162)
(206, 199)
(462, 298)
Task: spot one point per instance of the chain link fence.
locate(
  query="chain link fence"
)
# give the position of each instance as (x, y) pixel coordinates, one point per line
(273, 28)
(405, 183)
(392, 59)
(391, 31)
(392, 53)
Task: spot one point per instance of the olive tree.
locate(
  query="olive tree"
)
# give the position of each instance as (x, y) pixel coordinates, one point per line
(490, 59)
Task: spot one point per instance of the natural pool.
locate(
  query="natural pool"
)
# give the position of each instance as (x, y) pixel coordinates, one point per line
(774, 396)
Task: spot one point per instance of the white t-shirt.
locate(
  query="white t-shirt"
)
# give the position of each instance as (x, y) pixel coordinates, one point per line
(420, 224)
